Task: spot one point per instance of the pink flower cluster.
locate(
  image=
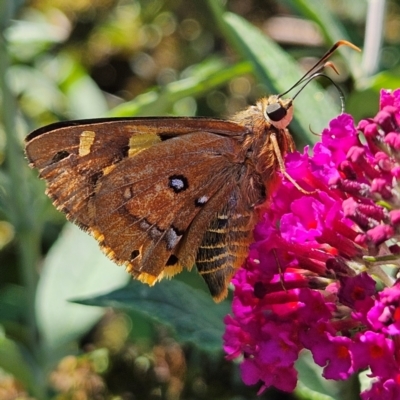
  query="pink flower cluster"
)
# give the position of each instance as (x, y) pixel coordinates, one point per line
(321, 273)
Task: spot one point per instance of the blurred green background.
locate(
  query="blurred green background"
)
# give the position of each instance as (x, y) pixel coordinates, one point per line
(72, 324)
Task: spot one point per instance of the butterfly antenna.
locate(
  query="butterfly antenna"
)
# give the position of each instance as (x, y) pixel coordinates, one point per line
(320, 64)
(320, 74)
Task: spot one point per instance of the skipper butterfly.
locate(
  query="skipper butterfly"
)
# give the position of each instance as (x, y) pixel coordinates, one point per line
(162, 194)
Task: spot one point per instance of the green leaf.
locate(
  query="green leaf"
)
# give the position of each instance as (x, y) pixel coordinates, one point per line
(363, 103)
(366, 380)
(14, 361)
(8, 11)
(191, 312)
(74, 267)
(35, 88)
(206, 76)
(12, 308)
(312, 385)
(386, 80)
(278, 71)
(85, 99)
(28, 39)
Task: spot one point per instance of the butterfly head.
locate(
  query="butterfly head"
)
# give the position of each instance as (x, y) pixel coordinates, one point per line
(277, 111)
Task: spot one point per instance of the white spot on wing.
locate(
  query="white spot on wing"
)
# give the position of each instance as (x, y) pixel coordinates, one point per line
(177, 183)
(127, 193)
(155, 233)
(172, 238)
(202, 200)
(144, 225)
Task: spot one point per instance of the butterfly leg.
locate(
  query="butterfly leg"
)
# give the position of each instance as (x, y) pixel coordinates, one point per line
(281, 164)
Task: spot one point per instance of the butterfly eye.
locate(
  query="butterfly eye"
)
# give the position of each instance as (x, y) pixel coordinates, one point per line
(275, 112)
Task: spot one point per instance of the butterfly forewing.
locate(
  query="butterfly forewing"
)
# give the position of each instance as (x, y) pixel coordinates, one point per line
(72, 157)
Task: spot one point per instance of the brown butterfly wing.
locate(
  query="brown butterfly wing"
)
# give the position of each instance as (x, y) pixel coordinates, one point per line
(151, 201)
(120, 180)
(225, 244)
(73, 156)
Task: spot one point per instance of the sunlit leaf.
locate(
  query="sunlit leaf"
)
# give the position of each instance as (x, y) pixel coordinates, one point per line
(74, 267)
(207, 76)
(311, 384)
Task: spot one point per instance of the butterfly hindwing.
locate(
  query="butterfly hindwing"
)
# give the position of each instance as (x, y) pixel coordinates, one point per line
(149, 209)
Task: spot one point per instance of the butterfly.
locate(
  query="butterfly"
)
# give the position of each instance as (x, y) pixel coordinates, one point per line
(162, 194)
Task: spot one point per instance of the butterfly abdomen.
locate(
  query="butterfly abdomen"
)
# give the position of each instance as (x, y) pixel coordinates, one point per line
(224, 246)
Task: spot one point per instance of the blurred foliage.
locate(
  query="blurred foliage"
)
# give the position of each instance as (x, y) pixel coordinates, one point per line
(62, 60)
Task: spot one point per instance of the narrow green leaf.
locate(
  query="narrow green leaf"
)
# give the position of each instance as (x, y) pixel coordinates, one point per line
(191, 312)
(278, 71)
(12, 301)
(13, 360)
(207, 76)
(8, 10)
